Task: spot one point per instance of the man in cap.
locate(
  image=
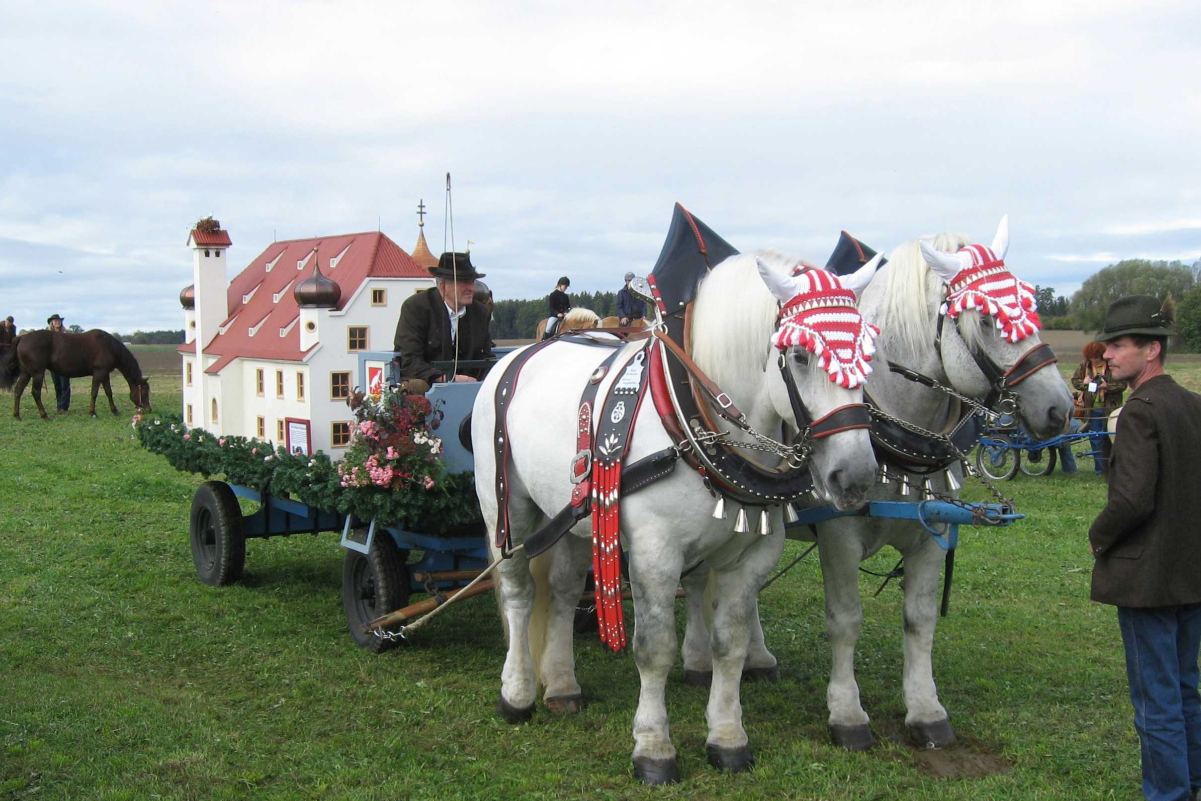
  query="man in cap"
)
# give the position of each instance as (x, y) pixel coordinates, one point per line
(1148, 545)
(630, 308)
(8, 331)
(442, 324)
(62, 384)
(560, 304)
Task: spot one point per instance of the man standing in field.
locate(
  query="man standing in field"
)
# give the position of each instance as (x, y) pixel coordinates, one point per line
(62, 384)
(1147, 542)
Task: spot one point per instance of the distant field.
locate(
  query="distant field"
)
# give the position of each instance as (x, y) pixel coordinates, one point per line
(157, 359)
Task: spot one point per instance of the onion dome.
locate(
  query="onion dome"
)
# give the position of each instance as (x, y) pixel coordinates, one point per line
(187, 298)
(422, 254)
(317, 290)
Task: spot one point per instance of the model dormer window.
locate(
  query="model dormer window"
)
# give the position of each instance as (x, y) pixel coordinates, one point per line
(271, 263)
(206, 253)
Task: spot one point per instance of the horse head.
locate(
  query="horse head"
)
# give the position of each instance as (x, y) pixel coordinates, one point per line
(987, 333)
(824, 347)
(139, 394)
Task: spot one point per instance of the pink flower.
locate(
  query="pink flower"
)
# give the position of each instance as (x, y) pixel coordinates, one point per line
(254, 450)
(429, 483)
(221, 442)
(391, 453)
(187, 437)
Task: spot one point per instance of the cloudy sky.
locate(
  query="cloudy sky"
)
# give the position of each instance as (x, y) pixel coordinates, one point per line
(570, 129)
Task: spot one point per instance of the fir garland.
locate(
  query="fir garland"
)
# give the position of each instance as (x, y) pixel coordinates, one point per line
(426, 499)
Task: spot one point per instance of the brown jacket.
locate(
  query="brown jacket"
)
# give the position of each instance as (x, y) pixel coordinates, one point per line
(423, 336)
(1112, 395)
(1147, 539)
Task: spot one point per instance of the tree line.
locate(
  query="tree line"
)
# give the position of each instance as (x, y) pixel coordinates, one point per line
(517, 319)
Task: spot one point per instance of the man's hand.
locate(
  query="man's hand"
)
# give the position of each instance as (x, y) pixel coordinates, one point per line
(625, 321)
(464, 379)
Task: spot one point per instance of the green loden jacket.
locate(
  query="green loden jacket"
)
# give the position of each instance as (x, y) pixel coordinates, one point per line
(423, 336)
(1147, 539)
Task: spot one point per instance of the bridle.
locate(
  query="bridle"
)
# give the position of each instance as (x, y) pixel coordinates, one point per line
(1001, 382)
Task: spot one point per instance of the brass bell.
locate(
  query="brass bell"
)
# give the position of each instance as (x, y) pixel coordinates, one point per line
(719, 511)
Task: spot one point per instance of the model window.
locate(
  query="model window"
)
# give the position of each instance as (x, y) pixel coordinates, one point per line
(260, 428)
(279, 430)
(279, 383)
(188, 373)
(189, 414)
(258, 382)
(339, 386)
(379, 297)
(356, 337)
(214, 410)
(340, 435)
(300, 386)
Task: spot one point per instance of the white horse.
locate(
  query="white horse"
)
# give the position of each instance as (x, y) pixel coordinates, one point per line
(904, 299)
(667, 527)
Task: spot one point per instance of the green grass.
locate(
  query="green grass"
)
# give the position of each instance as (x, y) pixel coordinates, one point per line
(123, 677)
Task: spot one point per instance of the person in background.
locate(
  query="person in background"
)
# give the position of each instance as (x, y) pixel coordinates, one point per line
(436, 324)
(630, 308)
(62, 384)
(1148, 546)
(560, 304)
(1097, 394)
(8, 331)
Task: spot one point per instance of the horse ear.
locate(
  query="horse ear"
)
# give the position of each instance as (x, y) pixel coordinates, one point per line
(782, 286)
(1000, 242)
(858, 280)
(945, 265)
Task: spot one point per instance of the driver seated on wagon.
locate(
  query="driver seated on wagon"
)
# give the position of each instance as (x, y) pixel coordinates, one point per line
(439, 323)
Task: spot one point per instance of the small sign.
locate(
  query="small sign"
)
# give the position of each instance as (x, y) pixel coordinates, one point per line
(376, 378)
(300, 439)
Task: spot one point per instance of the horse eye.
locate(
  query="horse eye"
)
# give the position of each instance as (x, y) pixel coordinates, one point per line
(801, 357)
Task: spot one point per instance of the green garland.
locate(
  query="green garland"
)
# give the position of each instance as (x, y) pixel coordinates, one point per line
(316, 480)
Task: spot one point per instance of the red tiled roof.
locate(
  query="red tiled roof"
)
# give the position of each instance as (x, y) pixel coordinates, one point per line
(362, 256)
(215, 238)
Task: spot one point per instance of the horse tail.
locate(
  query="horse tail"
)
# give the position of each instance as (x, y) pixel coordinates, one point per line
(10, 368)
(540, 614)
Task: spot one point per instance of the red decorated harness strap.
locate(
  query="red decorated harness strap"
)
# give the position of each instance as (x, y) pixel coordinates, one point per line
(613, 433)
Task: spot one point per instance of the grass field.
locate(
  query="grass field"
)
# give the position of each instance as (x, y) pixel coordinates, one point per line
(122, 677)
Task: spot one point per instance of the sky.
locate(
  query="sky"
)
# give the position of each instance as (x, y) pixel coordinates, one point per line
(570, 130)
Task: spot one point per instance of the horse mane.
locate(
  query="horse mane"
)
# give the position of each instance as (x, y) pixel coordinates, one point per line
(909, 316)
(580, 318)
(733, 297)
(126, 363)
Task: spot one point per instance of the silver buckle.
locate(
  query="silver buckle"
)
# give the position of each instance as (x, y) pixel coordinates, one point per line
(586, 456)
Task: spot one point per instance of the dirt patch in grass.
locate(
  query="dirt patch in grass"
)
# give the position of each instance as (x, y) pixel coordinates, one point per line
(962, 761)
(158, 359)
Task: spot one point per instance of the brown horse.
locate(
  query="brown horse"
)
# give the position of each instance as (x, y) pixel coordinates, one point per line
(95, 353)
(615, 322)
(575, 320)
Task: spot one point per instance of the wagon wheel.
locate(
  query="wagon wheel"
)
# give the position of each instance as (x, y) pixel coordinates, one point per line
(374, 584)
(999, 462)
(215, 529)
(1039, 462)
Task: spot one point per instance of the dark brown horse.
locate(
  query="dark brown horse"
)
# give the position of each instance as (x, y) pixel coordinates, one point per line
(96, 353)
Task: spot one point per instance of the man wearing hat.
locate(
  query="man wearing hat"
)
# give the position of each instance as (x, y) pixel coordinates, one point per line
(630, 308)
(8, 331)
(1147, 543)
(442, 324)
(62, 384)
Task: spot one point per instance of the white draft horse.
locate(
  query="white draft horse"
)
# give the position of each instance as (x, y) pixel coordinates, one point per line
(904, 300)
(667, 527)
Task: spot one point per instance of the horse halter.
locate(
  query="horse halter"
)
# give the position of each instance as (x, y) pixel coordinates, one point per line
(1001, 381)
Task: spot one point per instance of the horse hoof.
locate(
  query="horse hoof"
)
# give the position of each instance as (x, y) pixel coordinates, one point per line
(512, 714)
(93, 415)
(734, 760)
(937, 734)
(565, 704)
(852, 738)
(761, 673)
(698, 678)
(656, 771)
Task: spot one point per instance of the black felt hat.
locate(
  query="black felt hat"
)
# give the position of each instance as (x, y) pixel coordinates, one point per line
(1136, 314)
(455, 265)
(52, 318)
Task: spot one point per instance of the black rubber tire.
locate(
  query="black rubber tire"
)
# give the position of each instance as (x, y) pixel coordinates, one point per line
(215, 531)
(374, 584)
(997, 462)
(1039, 462)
